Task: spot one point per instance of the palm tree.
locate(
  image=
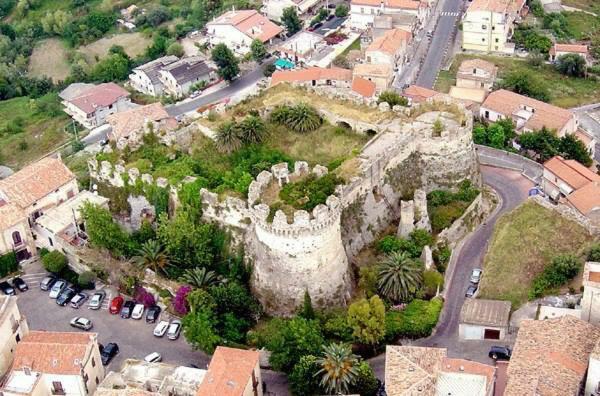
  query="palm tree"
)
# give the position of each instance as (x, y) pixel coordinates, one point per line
(399, 276)
(303, 118)
(151, 255)
(338, 368)
(280, 115)
(199, 277)
(252, 129)
(228, 137)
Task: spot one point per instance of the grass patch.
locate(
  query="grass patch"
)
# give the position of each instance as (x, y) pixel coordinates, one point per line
(582, 26)
(49, 58)
(134, 44)
(564, 91)
(586, 5)
(523, 244)
(446, 79)
(29, 129)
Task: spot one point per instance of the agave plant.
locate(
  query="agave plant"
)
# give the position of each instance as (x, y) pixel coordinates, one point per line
(338, 368)
(303, 118)
(252, 129)
(399, 276)
(200, 277)
(228, 137)
(151, 255)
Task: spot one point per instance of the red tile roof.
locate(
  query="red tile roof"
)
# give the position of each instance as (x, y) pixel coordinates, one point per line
(391, 41)
(400, 4)
(101, 95)
(229, 372)
(586, 199)
(363, 87)
(498, 6)
(251, 23)
(571, 172)
(575, 48)
(310, 74)
(126, 122)
(419, 94)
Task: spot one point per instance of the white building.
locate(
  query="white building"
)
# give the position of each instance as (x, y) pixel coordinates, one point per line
(145, 78)
(13, 327)
(238, 28)
(301, 46)
(483, 319)
(363, 12)
(55, 363)
(273, 9)
(559, 50)
(89, 104)
(178, 77)
(389, 49)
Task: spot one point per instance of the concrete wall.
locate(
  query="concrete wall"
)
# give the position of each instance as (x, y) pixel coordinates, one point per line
(504, 159)
(476, 332)
(593, 376)
(12, 325)
(464, 224)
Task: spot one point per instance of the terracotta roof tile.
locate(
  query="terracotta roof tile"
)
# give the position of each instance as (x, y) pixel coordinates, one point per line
(367, 69)
(586, 199)
(363, 87)
(391, 41)
(419, 94)
(249, 22)
(571, 172)
(575, 48)
(228, 373)
(499, 6)
(450, 365)
(35, 181)
(550, 357)
(311, 73)
(10, 214)
(400, 4)
(485, 312)
(507, 102)
(101, 95)
(132, 120)
(468, 65)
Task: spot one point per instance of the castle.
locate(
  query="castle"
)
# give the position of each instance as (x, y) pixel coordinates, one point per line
(425, 148)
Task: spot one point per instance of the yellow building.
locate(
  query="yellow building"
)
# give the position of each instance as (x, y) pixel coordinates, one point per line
(488, 25)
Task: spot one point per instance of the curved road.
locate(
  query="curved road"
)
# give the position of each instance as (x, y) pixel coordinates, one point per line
(512, 188)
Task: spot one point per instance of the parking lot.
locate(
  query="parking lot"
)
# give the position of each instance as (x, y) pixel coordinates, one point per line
(134, 337)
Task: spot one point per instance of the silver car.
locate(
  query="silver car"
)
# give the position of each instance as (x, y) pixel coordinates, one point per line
(78, 300)
(174, 329)
(476, 275)
(58, 288)
(161, 328)
(81, 323)
(96, 300)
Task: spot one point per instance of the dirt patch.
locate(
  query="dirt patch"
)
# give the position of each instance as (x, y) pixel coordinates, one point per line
(134, 44)
(49, 58)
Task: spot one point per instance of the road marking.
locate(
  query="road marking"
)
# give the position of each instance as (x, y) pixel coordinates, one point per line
(450, 13)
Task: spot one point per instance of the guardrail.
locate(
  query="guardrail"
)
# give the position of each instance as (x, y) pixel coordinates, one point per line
(504, 159)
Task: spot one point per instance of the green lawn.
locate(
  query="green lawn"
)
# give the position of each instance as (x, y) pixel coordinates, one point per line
(587, 5)
(564, 91)
(524, 242)
(30, 129)
(582, 26)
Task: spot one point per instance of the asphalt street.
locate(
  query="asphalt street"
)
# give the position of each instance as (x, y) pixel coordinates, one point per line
(446, 27)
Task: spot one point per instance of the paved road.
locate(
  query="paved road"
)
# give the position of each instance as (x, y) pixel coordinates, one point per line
(589, 123)
(444, 31)
(512, 188)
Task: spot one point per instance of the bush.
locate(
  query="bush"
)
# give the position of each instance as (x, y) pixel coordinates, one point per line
(309, 192)
(431, 280)
(367, 280)
(55, 262)
(8, 264)
(86, 279)
(180, 304)
(417, 320)
(594, 254)
(389, 244)
(445, 206)
(366, 383)
(336, 326)
(441, 256)
(303, 379)
(297, 337)
(142, 296)
(562, 268)
(392, 98)
(341, 10)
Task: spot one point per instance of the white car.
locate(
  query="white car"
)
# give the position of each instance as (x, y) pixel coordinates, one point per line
(174, 329)
(161, 328)
(138, 311)
(81, 323)
(476, 275)
(97, 299)
(57, 288)
(153, 358)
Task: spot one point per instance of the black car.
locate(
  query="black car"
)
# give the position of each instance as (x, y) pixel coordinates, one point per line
(471, 290)
(108, 352)
(152, 314)
(500, 353)
(330, 17)
(65, 296)
(127, 309)
(7, 289)
(20, 284)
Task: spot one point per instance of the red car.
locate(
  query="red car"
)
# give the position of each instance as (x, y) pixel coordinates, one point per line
(115, 305)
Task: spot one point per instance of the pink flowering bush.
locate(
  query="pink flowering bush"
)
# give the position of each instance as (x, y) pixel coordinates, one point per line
(180, 304)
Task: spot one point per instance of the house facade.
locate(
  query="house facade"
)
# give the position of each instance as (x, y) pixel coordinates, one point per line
(476, 73)
(234, 371)
(381, 74)
(179, 77)
(483, 319)
(390, 49)
(314, 77)
(55, 363)
(273, 9)
(488, 25)
(364, 12)
(145, 78)
(238, 28)
(129, 127)
(92, 105)
(559, 50)
(13, 328)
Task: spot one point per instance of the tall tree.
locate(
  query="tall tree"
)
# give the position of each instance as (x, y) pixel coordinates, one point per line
(571, 65)
(291, 21)
(399, 276)
(258, 50)
(226, 61)
(367, 319)
(307, 311)
(338, 368)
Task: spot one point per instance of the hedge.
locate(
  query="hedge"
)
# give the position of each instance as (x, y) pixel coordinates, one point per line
(8, 263)
(417, 320)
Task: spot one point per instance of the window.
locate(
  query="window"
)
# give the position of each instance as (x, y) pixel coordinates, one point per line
(16, 236)
(57, 388)
(18, 338)
(497, 40)
(50, 241)
(97, 381)
(487, 114)
(70, 194)
(93, 363)
(110, 106)
(483, 39)
(484, 27)
(362, 10)
(493, 27)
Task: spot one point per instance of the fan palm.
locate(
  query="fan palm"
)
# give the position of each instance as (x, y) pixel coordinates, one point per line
(151, 255)
(303, 118)
(399, 276)
(338, 368)
(199, 277)
(252, 129)
(228, 137)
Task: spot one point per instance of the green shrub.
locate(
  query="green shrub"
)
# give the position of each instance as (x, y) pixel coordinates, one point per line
(431, 280)
(303, 379)
(392, 98)
(594, 254)
(8, 263)
(366, 383)
(562, 268)
(309, 192)
(43, 252)
(389, 244)
(55, 261)
(86, 279)
(335, 326)
(367, 280)
(441, 256)
(417, 320)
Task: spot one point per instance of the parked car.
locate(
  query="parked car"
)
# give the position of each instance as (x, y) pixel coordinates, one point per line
(78, 300)
(152, 314)
(7, 289)
(115, 305)
(97, 299)
(476, 275)
(81, 323)
(127, 309)
(500, 353)
(138, 311)
(66, 296)
(153, 357)
(330, 17)
(58, 288)
(161, 328)
(174, 329)
(108, 353)
(47, 282)
(20, 284)
(471, 290)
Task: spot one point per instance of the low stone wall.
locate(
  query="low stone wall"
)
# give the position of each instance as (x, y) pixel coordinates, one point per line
(466, 223)
(569, 213)
(504, 159)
